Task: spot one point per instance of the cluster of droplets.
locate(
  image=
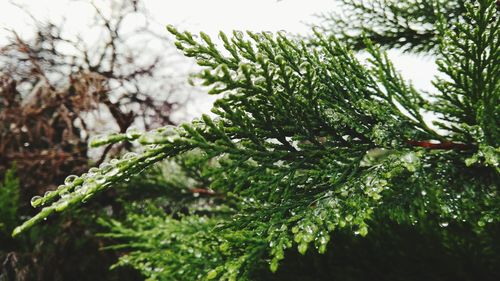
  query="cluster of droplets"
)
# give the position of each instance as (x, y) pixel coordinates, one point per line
(90, 182)
(410, 161)
(304, 233)
(167, 134)
(330, 212)
(374, 186)
(131, 134)
(86, 184)
(79, 189)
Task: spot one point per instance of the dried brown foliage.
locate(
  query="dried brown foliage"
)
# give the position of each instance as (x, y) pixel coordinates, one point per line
(54, 93)
(39, 132)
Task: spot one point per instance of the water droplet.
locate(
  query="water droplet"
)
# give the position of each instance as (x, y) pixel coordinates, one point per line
(409, 158)
(105, 167)
(150, 138)
(309, 229)
(423, 192)
(64, 194)
(100, 179)
(113, 172)
(129, 155)
(78, 189)
(70, 179)
(133, 132)
(61, 205)
(98, 140)
(34, 200)
(93, 171)
(169, 130)
(443, 224)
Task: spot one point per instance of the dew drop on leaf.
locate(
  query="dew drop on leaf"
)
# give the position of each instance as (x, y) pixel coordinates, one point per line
(34, 199)
(70, 179)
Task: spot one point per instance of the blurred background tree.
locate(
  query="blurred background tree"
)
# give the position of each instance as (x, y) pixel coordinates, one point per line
(55, 93)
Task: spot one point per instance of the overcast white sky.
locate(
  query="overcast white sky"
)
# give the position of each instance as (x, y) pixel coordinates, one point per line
(208, 16)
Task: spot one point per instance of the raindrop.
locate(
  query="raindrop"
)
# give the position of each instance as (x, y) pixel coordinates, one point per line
(78, 189)
(70, 179)
(34, 200)
(97, 140)
(170, 131)
(105, 167)
(149, 137)
(64, 194)
(323, 240)
(113, 172)
(132, 132)
(309, 229)
(409, 158)
(100, 179)
(93, 170)
(129, 155)
(443, 224)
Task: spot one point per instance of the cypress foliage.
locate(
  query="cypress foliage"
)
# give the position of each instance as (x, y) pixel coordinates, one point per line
(310, 143)
(410, 25)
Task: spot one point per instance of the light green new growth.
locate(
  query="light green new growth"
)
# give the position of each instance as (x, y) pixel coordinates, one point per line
(307, 140)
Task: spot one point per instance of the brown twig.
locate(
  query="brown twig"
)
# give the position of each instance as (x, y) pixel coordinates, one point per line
(448, 145)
